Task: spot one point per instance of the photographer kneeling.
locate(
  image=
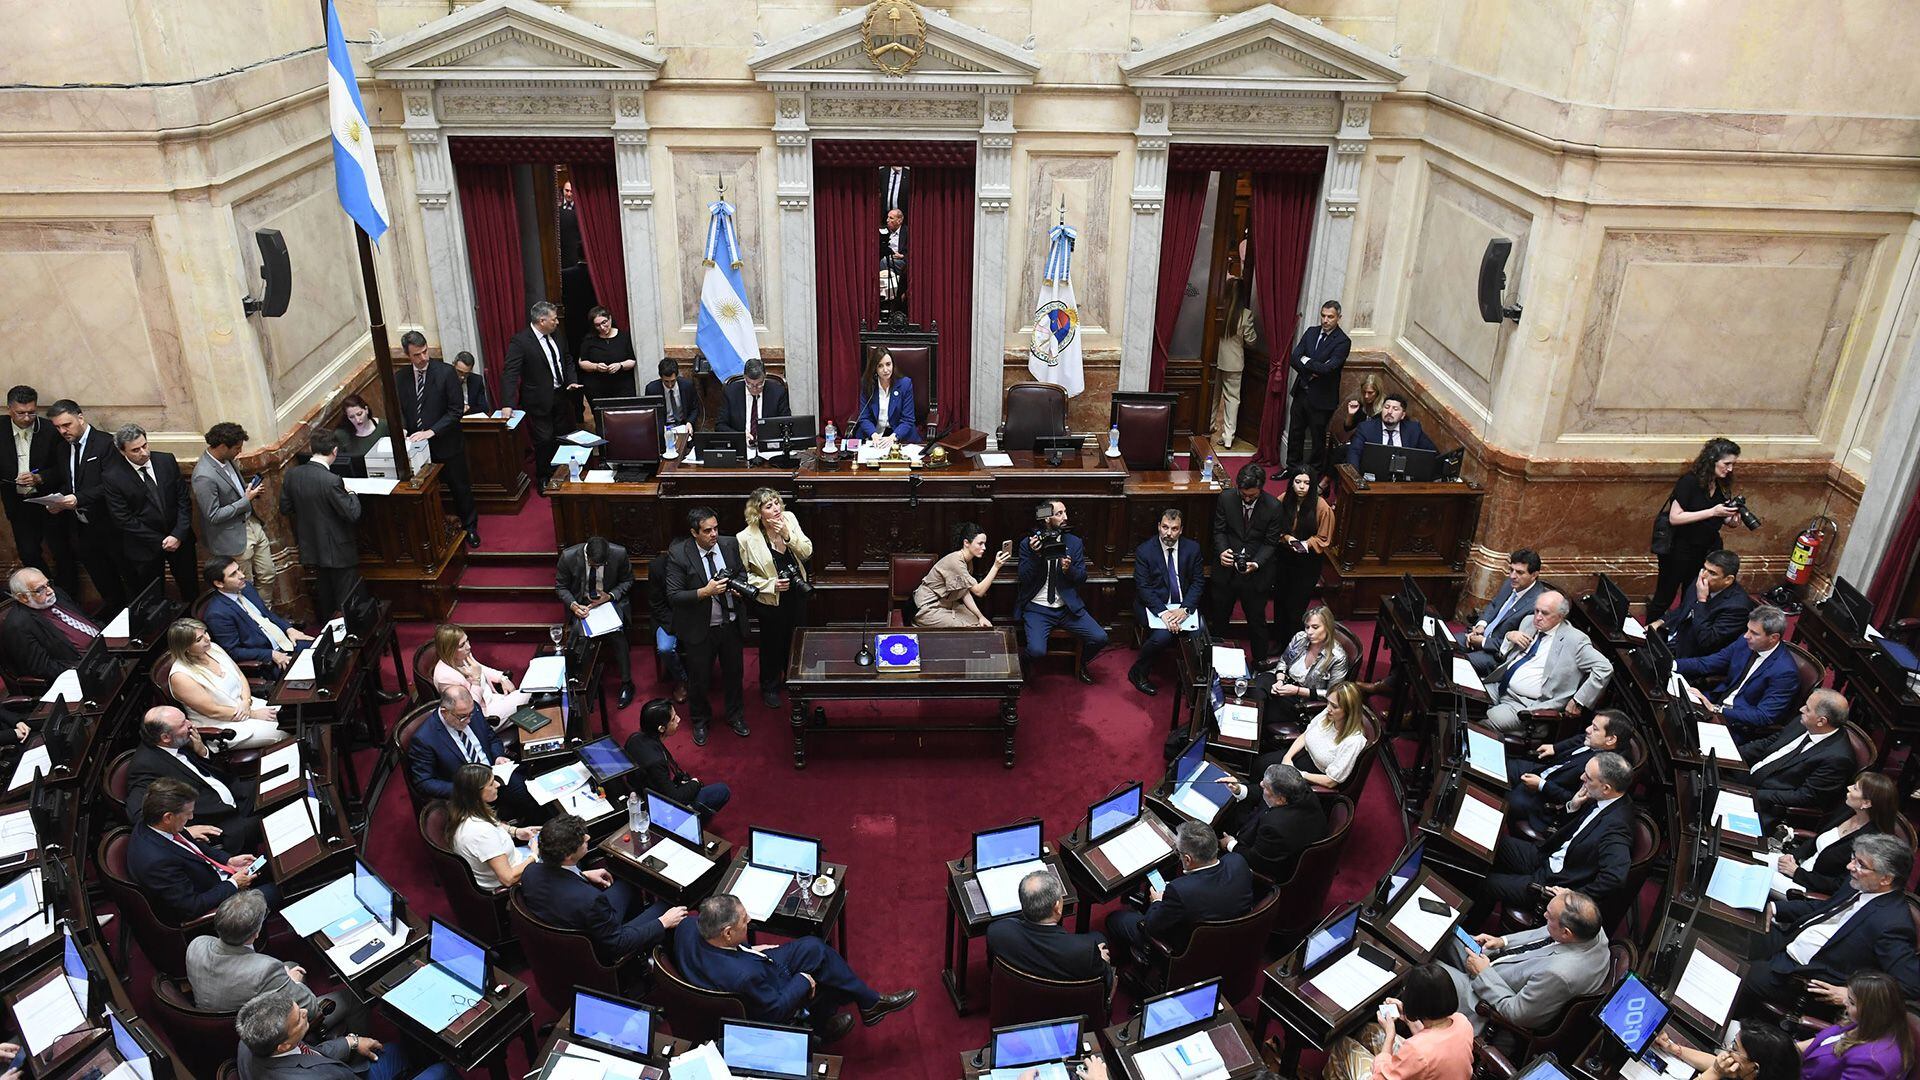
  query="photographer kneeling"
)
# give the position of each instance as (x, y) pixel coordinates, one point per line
(775, 550)
(1053, 566)
(708, 589)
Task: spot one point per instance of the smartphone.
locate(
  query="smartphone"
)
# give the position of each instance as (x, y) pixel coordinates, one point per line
(1006, 547)
(1156, 879)
(369, 950)
(1434, 907)
(259, 864)
(1466, 940)
(256, 481)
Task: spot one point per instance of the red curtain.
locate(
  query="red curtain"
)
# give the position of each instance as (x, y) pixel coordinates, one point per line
(1896, 566)
(596, 199)
(1179, 234)
(493, 257)
(1282, 226)
(940, 279)
(846, 266)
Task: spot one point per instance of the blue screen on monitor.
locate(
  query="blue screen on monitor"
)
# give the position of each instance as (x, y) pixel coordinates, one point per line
(1004, 847)
(76, 967)
(373, 894)
(765, 1051)
(461, 958)
(128, 1047)
(1179, 1010)
(1326, 940)
(673, 819)
(1034, 1043)
(1545, 1070)
(780, 852)
(1633, 1014)
(613, 1023)
(604, 758)
(1191, 760)
(1408, 869)
(1115, 813)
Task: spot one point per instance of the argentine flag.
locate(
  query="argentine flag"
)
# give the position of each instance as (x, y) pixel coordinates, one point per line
(355, 176)
(1054, 355)
(725, 334)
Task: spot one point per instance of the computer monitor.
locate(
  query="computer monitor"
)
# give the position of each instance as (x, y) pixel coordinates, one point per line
(1032, 1044)
(782, 435)
(1447, 467)
(1005, 847)
(783, 851)
(770, 1050)
(458, 955)
(360, 611)
(1657, 656)
(611, 1023)
(1190, 762)
(605, 760)
(387, 907)
(720, 447)
(1409, 868)
(1544, 1067)
(1633, 1014)
(1383, 462)
(96, 670)
(146, 611)
(1609, 604)
(1113, 813)
(1179, 1008)
(58, 731)
(79, 973)
(1849, 607)
(669, 816)
(1329, 938)
(1413, 604)
(1057, 447)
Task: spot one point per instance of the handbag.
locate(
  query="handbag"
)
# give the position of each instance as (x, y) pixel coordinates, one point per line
(1662, 542)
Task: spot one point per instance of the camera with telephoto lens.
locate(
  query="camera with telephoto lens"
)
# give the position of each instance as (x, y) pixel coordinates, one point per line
(1053, 542)
(1747, 517)
(797, 584)
(736, 585)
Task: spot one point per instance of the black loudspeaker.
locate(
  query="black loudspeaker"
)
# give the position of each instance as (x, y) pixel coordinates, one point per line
(1493, 281)
(276, 275)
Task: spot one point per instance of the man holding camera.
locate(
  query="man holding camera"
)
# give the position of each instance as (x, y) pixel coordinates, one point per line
(1053, 566)
(1246, 530)
(707, 588)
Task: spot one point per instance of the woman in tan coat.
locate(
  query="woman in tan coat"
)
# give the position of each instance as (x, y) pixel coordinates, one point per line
(946, 598)
(775, 551)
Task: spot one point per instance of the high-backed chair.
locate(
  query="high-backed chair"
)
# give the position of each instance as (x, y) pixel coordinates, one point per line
(561, 959)
(693, 1012)
(1233, 949)
(1021, 997)
(480, 912)
(904, 575)
(633, 434)
(403, 733)
(424, 658)
(18, 682)
(164, 943)
(1569, 1035)
(916, 355)
(1031, 410)
(1812, 673)
(203, 1038)
(1146, 428)
(1305, 893)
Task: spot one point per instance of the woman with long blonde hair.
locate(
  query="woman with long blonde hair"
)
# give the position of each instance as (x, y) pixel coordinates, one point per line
(214, 691)
(492, 690)
(774, 550)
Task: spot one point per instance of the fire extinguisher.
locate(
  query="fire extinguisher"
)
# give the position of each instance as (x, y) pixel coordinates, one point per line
(1807, 549)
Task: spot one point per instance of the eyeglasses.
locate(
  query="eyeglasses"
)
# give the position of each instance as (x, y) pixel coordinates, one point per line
(42, 589)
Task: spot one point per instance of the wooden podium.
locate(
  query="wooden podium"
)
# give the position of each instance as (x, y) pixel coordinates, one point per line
(411, 550)
(1383, 530)
(495, 459)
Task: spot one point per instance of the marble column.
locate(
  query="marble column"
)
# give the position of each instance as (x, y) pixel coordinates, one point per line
(993, 194)
(1332, 243)
(793, 192)
(1891, 483)
(446, 239)
(1150, 140)
(634, 174)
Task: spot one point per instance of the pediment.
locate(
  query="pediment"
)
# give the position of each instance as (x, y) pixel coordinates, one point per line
(832, 52)
(1266, 48)
(513, 39)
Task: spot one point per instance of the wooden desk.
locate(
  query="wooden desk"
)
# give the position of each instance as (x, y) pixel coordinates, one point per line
(1308, 1015)
(1237, 1049)
(955, 665)
(495, 461)
(968, 917)
(653, 1066)
(802, 916)
(1100, 882)
(628, 860)
(974, 1063)
(411, 549)
(1862, 673)
(1384, 530)
(362, 982)
(66, 1049)
(1437, 817)
(1384, 925)
(149, 639)
(476, 1036)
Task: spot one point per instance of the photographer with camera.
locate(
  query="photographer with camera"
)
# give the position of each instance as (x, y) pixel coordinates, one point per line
(1246, 531)
(708, 589)
(1702, 502)
(1053, 566)
(775, 551)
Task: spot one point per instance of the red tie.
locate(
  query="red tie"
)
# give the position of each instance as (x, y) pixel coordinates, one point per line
(210, 860)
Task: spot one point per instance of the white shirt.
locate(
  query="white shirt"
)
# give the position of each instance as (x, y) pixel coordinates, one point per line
(194, 766)
(1559, 858)
(1334, 755)
(1815, 936)
(478, 841)
(1804, 742)
(884, 406)
(1389, 436)
(22, 451)
(1049, 566)
(1751, 668)
(1530, 680)
(268, 627)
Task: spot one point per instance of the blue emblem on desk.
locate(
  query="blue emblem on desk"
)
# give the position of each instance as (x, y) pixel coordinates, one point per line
(896, 652)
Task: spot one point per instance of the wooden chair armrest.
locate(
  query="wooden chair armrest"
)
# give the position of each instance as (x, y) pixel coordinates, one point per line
(1494, 1019)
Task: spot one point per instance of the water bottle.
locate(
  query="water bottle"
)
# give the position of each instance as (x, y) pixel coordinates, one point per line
(573, 471)
(832, 434)
(1206, 470)
(1113, 441)
(637, 820)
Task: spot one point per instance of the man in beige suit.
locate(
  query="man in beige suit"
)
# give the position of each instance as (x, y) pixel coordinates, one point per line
(1230, 354)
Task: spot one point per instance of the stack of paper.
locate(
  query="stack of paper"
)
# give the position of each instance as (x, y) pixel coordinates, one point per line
(1739, 884)
(369, 485)
(432, 997)
(1717, 740)
(1734, 813)
(604, 619)
(17, 834)
(1707, 987)
(1001, 885)
(1192, 1058)
(545, 674)
(598, 476)
(585, 803)
(278, 766)
(760, 890)
(1351, 980)
(301, 670)
(585, 438)
(1229, 662)
(571, 455)
(1464, 675)
(1189, 800)
(551, 786)
(321, 907)
(1424, 928)
(1133, 847)
(1634, 629)
(46, 1014)
(1486, 755)
(34, 761)
(65, 688)
(1477, 822)
(342, 955)
(682, 865)
(1239, 722)
(996, 461)
(290, 825)
(703, 1062)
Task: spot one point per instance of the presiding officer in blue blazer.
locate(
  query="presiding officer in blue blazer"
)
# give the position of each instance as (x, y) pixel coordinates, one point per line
(240, 622)
(1212, 885)
(1390, 428)
(1049, 593)
(175, 863)
(613, 914)
(1752, 681)
(1167, 584)
(886, 404)
(1864, 927)
(776, 983)
(455, 734)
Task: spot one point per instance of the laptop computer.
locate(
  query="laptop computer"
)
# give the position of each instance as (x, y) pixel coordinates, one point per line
(1039, 1043)
(670, 817)
(1328, 939)
(605, 760)
(1001, 858)
(1633, 1015)
(1177, 1010)
(1195, 789)
(613, 1024)
(1113, 813)
(775, 1051)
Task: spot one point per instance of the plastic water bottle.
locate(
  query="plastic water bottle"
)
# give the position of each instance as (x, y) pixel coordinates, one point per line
(573, 471)
(1206, 470)
(832, 434)
(1113, 441)
(637, 820)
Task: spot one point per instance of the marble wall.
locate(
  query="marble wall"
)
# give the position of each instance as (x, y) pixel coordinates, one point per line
(696, 174)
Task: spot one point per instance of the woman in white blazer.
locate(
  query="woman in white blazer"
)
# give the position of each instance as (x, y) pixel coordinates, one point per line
(775, 551)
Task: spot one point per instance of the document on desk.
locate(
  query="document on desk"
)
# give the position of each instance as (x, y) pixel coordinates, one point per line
(996, 461)
(1717, 739)
(17, 834)
(1351, 980)
(1134, 847)
(1229, 662)
(761, 890)
(23, 911)
(1239, 722)
(545, 674)
(604, 619)
(48, 1013)
(598, 476)
(301, 670)
(585, 438)
(576, 1062)
(1424, 928)
(703, 1062)
(66, 687)
(290, 825)
(1486, 755)
(1739, 884)
(1046, 1070)
(513, 419)
(322, 907)
(503, 770)
(1001, 885)
(1463, 674)
(1633, 628)
(432, 997)
(1707, 987)
(370, 485)
(33, 761)
(278, 766)
(1435, 627)
(680, 864)
(1477, 821)
(1191, 800)
(571, 455)
(1192, 1058)
(564, 781)
(585, 803)
(1735, 813)
(342, 955)
(121, 626)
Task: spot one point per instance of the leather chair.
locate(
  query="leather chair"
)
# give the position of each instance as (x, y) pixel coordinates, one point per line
(1570, 1034)
(1233, 949)
(1019, 997)
(19, 682)
(403, 733)
(228, 1071)
(1305, 893)
(117, 783)
(1812, 674)
(164, 944)
(561, 959)
(904, 575)
(1866, 751)
(1031, 410)
(633, 434)
(424, 658)
(1490, 1064)
(203, 1038)
(480, 912)
(693, 1012)
(916, 355)
(1146, 428)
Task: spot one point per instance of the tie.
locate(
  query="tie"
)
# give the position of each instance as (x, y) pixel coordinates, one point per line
(1504, 608)
(472, 746)
(1783, 755)
(419, 397)
(204, 857)
(267, 626)
(673, 403)
(1173, 576)
(1507, 676)
(1246, 511)
(73, 473)
(84, 627)
(722, 603)
(1393, 435)
(465, 402)
(553, 359)
(153, 486)
(753, 418)
(1527, 948)
(192, 761)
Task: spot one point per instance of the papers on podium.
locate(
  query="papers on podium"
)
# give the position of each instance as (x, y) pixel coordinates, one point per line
(290, 825)
(1239, 722)
(577, 1062)
(585, 438)
(342, 955)
(1001, 885)
(1740, 884)
(322, 907)
(703, 1062)
(1351, 980)
(278, 766)
(1423, 928)
(121, 626)
(1229, 662)
(1192, 1058)
(1477, 821)
(1734, 813)
(571, 455)
(34, 761)
(370, 485)
(301, 670)
(1634, 629)
(1707, 987)
(996, 461)
(1717, 739)
(545, 674)
(23, 912)
(1134, 847)
(1464, 675)
(65, 688)
(1046, 1070)
(604, 619)
(679, 864)
(1486, 755)
(1187, 799)
(432, 997)
(564, 781)
(46, 1014)
(761, 890)
(17, 834)
(598, 476)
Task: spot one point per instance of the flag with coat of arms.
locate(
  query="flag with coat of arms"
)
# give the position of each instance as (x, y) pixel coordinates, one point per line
(1054, 355)
(355, 176)
(725, 332)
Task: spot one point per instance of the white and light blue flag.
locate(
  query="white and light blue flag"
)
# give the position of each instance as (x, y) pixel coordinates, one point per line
(355, 176)
(1054, 355)
(725, 335)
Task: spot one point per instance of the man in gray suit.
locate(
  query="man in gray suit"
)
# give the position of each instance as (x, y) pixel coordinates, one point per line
(225, 972)
(1529, 977)
(1504, 613)
(1546, 664)
(223, 503)
(273, 1030)
(324, 516)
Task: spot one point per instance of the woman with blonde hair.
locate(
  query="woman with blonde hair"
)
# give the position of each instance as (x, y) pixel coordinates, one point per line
(481, 838)
(456, 665)
(213, 690)
(1326, 752)
(1312, 663)
(1367, 403)
(774, 550)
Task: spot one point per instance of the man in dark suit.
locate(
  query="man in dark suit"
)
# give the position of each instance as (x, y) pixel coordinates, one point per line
(1167, 585)
(1246, 530)
(593, 574)
(1049, 595)
(1865, 926)
(183, 874)
(473, 387)
(706, 617)
(776, 983)
(429, 396)
(28, 455)
(171, 749)
(273, 1029)
(457, 734)
(1753, 680)
(613, 914)
(1316, 362)
(751, 399)
(1807, 765)
(1588, 853)
(1286, 820)
(45, 630)
(893, 260)
(1390, 428)
(1211, 886)
(325, 519)
(83, 532)
(543, 380)
(149, 502)
(1557, 771)
(239, 621)
(1504, 613)
(1709, 616)
(1034, 941)
(682, 397)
